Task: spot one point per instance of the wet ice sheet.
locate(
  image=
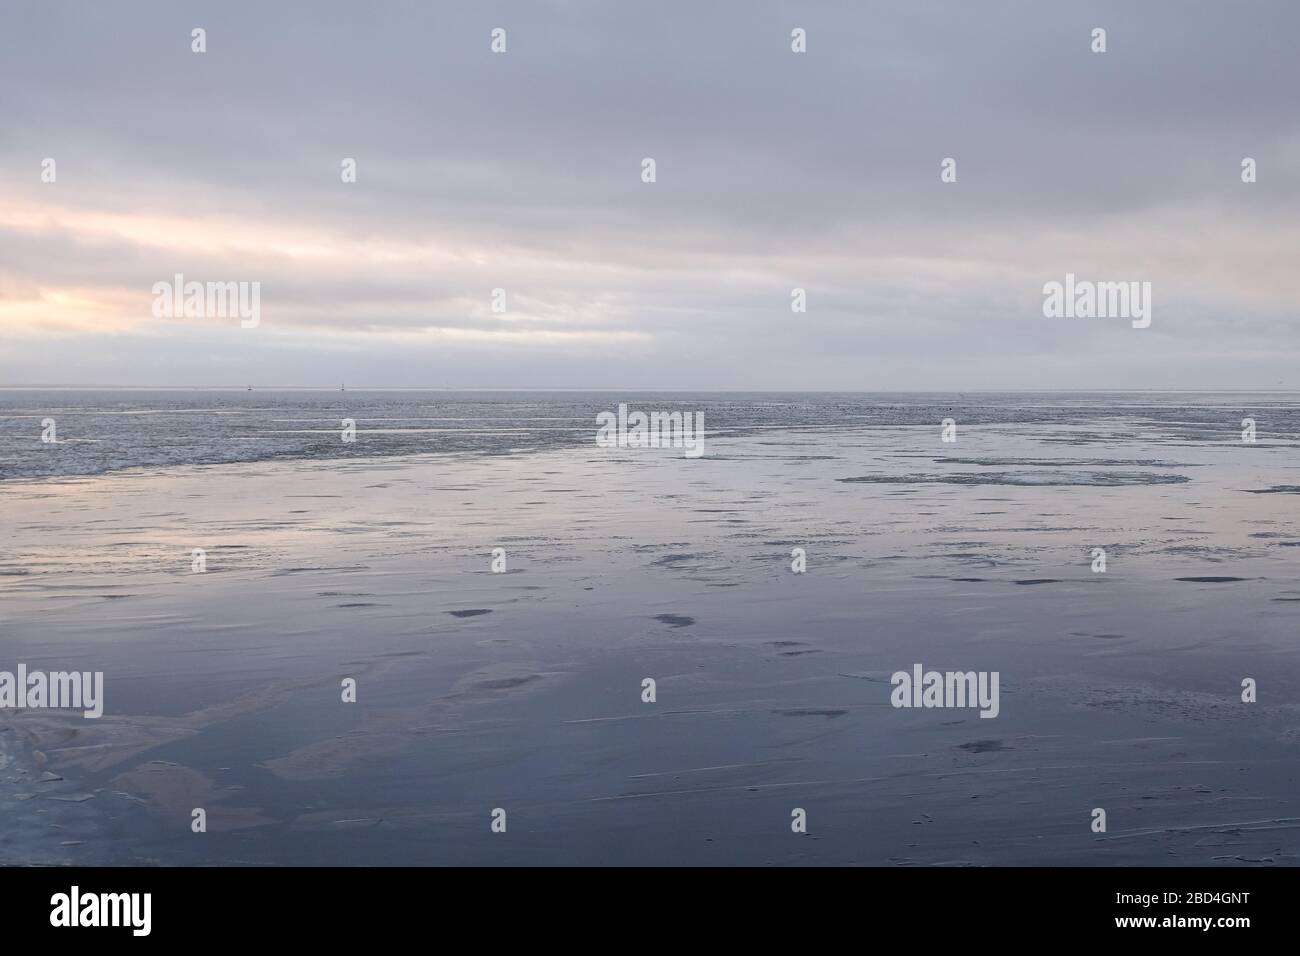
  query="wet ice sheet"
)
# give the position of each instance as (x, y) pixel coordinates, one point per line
(523, 690)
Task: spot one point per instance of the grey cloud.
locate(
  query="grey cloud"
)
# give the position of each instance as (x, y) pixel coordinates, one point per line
(774, 170)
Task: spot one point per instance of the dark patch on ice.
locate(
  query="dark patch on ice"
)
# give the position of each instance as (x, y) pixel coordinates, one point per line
(1216, 555)
(983, 746)
(1066, 462)
(668, 560)
(1276, 490)
(1039, 581)
(811, 712)
(1212, 579)
(675, 620)
(1246, 859)
(1096, 479)
(471, 612)
(507, 683)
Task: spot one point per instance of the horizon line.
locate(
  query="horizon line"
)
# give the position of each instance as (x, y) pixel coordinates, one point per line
(676, 389)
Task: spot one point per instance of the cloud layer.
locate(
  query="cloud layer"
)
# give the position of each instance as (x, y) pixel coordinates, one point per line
(521, 171)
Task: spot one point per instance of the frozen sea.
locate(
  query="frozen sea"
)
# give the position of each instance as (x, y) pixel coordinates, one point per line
(523, 691)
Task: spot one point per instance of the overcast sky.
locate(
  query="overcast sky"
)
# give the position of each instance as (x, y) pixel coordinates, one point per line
(775, 170)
